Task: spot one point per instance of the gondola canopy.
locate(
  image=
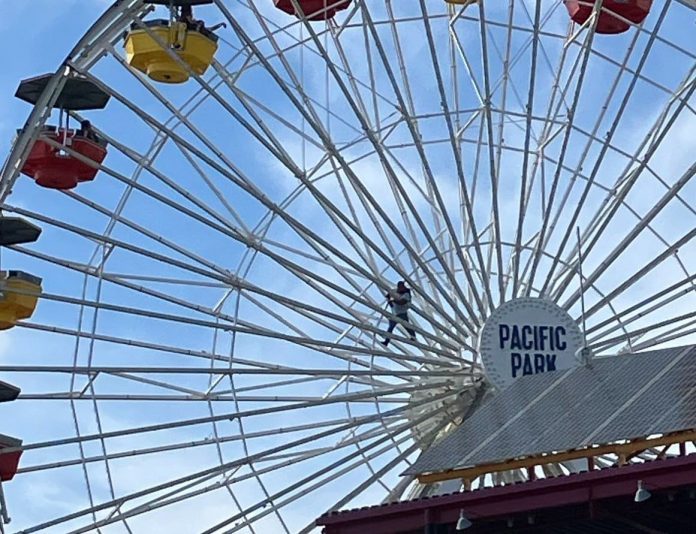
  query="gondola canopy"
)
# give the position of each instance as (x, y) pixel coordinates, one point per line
(78, 93)
(15, 230)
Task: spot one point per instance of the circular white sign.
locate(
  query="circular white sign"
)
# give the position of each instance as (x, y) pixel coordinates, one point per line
(528, 336)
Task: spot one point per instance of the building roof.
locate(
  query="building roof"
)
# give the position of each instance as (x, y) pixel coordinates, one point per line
(615, 398)
(599, 501)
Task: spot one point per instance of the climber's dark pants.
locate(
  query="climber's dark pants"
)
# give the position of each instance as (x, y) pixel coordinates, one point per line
(393, 323)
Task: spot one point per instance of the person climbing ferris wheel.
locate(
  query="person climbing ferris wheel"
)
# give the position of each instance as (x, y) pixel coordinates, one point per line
(226, 190)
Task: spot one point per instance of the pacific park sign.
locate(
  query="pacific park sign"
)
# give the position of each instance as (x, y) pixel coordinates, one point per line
(528, 336)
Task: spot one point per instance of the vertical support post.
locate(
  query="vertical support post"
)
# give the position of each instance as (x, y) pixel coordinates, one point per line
(428, 522)
(4, 516)
(591, 504)
(531, 475)
(584, 352)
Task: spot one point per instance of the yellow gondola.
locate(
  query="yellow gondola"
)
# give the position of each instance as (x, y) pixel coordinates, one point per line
(196, 47)
(19, 294)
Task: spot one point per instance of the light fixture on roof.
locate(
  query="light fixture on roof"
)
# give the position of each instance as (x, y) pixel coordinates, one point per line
(462, 523)
(642, 494)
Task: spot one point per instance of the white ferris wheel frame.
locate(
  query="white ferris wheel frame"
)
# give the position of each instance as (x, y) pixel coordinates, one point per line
(452, 309)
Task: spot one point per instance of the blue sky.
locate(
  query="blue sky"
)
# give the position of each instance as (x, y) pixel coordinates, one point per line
(43, 32)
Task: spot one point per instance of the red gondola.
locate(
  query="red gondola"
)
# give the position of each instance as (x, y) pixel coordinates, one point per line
(314, 9)
(633, 10)
(9, 462)
(56, 170)
(51, 166)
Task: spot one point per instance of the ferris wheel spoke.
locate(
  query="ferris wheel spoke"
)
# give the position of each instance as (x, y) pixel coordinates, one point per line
(507, 84)
(517, 252)
(258, 412)
(367, 208)
(407, 109)
(643, 224)
(353, 178)
(609, 137)
(334, 470)
(331, 30)
(375, 477)
(292, 306)
(188, 107)
(169, 349)
(664, 337)
(669, 251)
(411, 374)
(225, 226)
(284, 500)
(375, 122)
(242, 327)
(310, 376)
(302, 230)
(223, 277)
(306, 380)
(382, 138)
(655, 302)
(179, 494)
(337, 350)
(639, 333)
(371, 261)
(583, 59)
(464, 263)
(556, 101)
(166, 133)
(214, 471)
(219, 195)
(150, 235)
(196, 396)
(350, 332)
(319, 320)
(628, 178)
(165, 280)
(117, 243)
(327, 347)
(653, 299)
(411, 108)
(184, 445)
(644, 77)
(490, 136)
(359, 321)
(320, 315)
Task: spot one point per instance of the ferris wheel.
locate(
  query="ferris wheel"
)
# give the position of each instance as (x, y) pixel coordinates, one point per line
(228, 192)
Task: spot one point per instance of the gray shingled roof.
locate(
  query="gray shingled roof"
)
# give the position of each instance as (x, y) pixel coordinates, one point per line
(618, 397)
